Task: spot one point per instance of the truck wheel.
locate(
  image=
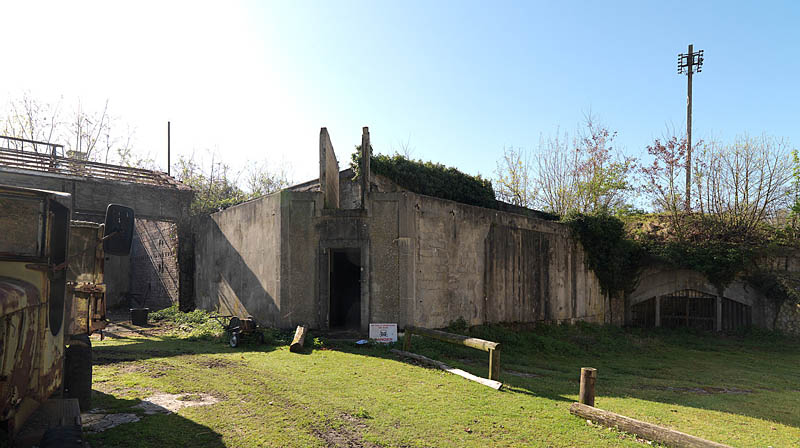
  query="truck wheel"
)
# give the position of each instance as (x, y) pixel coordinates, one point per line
(62, 437)
(78, 371)
(234, 339)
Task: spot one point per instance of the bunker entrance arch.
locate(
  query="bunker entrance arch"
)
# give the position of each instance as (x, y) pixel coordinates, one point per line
(690, 308)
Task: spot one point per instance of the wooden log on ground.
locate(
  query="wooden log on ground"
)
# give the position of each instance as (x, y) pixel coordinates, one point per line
(588, 379)
(479, 344)
(299, 339)
(660, 434)
(496, 385)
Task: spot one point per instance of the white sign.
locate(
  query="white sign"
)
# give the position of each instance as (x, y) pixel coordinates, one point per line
(383, 332)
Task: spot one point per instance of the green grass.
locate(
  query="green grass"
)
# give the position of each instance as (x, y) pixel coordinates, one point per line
(337, 393)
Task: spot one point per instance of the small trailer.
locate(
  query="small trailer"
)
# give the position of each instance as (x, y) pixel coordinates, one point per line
(236, 328)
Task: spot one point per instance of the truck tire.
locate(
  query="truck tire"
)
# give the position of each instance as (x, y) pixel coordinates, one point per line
(62, 437)
(78, 371)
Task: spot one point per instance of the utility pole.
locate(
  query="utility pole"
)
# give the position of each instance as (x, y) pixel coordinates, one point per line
(688, 63)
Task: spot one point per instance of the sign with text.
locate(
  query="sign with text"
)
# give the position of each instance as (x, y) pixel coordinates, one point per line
(383, 332)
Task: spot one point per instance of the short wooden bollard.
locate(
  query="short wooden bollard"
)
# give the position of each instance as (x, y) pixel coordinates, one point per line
(494, 364)
(588, 378)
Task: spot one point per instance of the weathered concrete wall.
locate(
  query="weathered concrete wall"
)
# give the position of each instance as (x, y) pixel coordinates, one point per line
(299, 240)
(349, 191)
(386, 211)
(488, 266)
(238, 261)
(91, 196)
(153, 280)
(328, 171)
(425, 261)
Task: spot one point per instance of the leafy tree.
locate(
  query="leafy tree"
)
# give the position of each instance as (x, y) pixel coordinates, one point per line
(216, 187)
(261, 180)
(514, 178)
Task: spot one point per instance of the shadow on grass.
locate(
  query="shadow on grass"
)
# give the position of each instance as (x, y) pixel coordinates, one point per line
(156, 430)
(135, 349)
(750, 375)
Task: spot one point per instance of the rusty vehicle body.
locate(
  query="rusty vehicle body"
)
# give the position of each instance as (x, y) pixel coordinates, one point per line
(52, 297)
(33, 255)
(86, 290)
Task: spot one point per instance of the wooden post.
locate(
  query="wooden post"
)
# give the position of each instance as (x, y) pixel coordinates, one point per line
(588, 378)
(299, 339)
(649, 431)
(480, 344)
(494, 363)
(658, 311)
(407, 340)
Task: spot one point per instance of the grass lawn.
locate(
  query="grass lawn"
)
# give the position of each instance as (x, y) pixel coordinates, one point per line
(743, 391)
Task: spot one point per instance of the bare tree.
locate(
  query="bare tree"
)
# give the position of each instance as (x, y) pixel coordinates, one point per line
(85, 130)
(85, 134)
(404, 148)
(31, 119)
(745, 183)
(261, 180)
(584, 174)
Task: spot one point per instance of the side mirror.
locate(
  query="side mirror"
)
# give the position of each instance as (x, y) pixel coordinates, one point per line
(118, 232)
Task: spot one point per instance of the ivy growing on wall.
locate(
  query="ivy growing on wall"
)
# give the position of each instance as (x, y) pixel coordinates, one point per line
(616, 255)
(611, 254)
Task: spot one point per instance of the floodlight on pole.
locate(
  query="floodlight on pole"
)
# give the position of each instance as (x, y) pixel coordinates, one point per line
(688, 64)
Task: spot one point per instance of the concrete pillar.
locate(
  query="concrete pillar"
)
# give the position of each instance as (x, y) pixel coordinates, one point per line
(186, 300)
(718, 321)
(658, 311)
(365, 166)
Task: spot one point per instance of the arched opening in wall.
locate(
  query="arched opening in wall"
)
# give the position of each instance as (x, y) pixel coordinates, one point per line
(689, 308)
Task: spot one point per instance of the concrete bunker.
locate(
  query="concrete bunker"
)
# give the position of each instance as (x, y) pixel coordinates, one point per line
(338, 252)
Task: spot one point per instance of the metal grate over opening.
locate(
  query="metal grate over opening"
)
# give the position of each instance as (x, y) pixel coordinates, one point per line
(690, 308)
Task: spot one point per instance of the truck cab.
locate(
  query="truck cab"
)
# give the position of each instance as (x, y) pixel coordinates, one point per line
(52, 297)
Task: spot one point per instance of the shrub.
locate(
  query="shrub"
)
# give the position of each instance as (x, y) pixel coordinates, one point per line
(430, 179)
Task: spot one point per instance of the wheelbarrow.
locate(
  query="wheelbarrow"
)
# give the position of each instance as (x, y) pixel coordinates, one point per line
(236, 328)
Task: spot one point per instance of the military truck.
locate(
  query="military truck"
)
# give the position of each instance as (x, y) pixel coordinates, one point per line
(52, 297)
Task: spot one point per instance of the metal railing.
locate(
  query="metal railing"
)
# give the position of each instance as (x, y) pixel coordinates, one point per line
(13, 154)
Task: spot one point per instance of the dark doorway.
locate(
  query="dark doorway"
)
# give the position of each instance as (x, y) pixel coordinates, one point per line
(345, 289)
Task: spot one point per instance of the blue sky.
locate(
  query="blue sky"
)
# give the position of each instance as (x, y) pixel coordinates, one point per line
(458, 81)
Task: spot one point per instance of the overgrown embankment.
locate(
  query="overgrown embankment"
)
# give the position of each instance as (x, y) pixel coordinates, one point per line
(617, 249)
